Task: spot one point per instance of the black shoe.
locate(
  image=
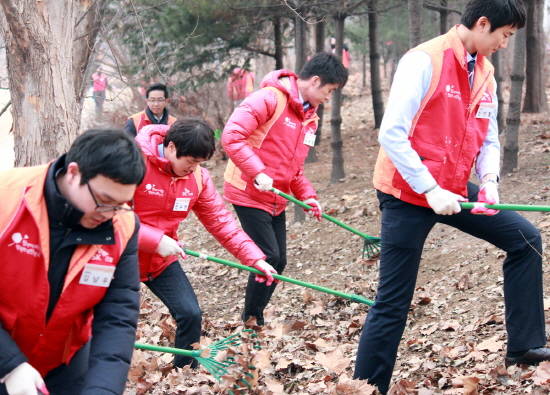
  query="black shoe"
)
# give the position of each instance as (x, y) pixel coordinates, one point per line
(531, 357)
(259, 319)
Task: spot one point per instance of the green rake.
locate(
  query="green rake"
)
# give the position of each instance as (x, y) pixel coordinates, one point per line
(512, 207)
(206, 357)
(371, 245)
(352, 297)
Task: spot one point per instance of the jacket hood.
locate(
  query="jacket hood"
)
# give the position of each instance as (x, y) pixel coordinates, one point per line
(148, 139)
(285, 81)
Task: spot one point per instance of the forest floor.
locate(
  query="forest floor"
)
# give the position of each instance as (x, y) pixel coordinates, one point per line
(455, 338)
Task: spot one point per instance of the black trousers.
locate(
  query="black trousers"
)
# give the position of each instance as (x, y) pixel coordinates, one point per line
(269, 234)
(404, 231)
(66, 379)
(173, 288)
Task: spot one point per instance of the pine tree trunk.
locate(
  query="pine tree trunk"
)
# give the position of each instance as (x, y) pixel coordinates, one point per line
(337, 172)
(535, 95)
(415, 22)
(510, 156)
(46, 62)
(443, 15)
(501, 117)
(375, 80)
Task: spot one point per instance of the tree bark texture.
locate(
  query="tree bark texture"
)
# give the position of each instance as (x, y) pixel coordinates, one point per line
(45, 66)
(299, 43)
(374, 55)
(501, 116)
(415, 22)
(535, 95)
(510, 156)
(443, 16)
(337, 172)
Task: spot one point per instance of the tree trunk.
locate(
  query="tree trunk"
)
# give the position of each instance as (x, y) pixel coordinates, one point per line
(415, 22)
(278, 40)
(319, 47)
(498, 77)
(375, 80)
(443, 15)
(46, 61)
(535, 95)
(337, 172)
(510, 157)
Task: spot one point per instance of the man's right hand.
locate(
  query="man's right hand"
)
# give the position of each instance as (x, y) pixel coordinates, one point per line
(263, 182)
(24, 380)
(444, 202)
(169, 246)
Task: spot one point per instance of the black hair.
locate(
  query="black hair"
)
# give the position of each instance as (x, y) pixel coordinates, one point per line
(327, 67)
(192, 137)
(108, 152)
(498, 12)
(157, 87)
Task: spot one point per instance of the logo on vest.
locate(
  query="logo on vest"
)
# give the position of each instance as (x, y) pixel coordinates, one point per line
(151, 189)
(289, 123)
(186, 192)
(22, 244)
(452, 93)
(486, 98)
(102, 256)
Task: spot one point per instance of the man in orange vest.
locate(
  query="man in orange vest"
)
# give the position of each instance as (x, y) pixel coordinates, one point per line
(69, 271)
(155, 113)
(440, 120)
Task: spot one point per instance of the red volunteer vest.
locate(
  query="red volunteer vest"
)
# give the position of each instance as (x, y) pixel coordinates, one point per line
(449, 128)
(24, 294)
(141, 119)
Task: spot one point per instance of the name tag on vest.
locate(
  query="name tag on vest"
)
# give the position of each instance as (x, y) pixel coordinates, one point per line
(97, 275)
(309, 139)
(181, 204)
(486, 111)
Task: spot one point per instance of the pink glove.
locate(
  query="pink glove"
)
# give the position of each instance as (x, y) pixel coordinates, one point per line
(267, 271)
(488, 193)
(316, 209)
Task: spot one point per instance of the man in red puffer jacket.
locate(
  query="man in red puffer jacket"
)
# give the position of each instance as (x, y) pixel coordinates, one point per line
(175, 184)
(267, 139)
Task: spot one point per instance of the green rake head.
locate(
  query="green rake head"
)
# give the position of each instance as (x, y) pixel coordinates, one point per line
(371, 247)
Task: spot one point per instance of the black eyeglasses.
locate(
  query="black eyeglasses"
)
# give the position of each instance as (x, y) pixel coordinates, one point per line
(103, 208)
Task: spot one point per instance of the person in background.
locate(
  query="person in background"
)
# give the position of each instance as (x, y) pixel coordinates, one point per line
(155, 112)
(240, 84)
(70, 282)
(346, 56)
(99, 86)
(267, 139)
(175, 184)
(440, 121)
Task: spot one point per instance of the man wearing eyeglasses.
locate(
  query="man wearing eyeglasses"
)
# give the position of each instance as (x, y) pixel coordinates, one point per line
(69, 299)
(155, 112)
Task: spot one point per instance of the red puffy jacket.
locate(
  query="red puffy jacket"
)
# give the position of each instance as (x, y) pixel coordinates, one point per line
(267, 133)
(163, 200)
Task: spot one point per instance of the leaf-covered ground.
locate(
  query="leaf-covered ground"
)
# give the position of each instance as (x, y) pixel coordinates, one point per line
(454, 341)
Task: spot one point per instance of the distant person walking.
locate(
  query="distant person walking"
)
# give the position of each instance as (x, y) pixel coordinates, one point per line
(155, 112)
(100, 84)
(240, 84)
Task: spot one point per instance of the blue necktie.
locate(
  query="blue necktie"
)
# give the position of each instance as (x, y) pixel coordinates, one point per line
(306, 105)
(471, 65)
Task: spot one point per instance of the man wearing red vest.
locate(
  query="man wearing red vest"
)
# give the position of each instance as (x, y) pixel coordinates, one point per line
(240, 84)
(69, 269)
(175, 185)
(155, 113)
(99, 86)
(267, 139)
(439, 122)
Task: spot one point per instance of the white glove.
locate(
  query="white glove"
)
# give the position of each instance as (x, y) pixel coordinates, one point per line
(316, 209)
(444, 202)
(263, 182)
(267, 271)
(24, 380)
(169, 246)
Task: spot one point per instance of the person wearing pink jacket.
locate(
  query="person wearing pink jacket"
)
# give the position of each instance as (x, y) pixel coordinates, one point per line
(267, 139)
(175, 184)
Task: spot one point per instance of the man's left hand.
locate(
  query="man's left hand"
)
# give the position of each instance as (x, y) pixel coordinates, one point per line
(316, 209)
(488, 193)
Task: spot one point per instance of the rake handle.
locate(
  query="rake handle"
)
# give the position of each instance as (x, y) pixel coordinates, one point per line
(171, 350)
(326, 216)
(353, 297)
(512, 207)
